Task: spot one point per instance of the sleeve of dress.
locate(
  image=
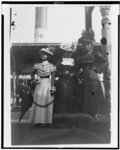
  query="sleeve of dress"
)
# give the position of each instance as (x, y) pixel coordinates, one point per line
(53, 68)
(35, 67)
(100, 64)
(59, 69)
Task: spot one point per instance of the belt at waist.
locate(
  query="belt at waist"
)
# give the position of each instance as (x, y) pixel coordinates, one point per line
(45, 77)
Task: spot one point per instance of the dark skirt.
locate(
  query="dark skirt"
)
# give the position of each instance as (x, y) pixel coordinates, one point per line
(93, 97)
(68, 97)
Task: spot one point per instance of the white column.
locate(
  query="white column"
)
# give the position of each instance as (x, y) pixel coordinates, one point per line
(106, 48)
(40, 23)
(106, 31)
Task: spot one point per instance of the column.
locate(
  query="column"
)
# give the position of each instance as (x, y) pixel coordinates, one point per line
(40, 23)
(88, 17)
(106, 48)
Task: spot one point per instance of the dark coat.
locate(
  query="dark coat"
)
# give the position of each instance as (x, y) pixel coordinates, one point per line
(67, 90)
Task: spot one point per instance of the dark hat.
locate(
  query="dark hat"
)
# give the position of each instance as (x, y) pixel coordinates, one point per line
(87, 36)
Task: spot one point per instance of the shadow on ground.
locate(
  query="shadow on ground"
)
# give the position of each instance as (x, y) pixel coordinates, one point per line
(69, 130)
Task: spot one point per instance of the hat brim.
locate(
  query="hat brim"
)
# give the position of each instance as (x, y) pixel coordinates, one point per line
(46, 51)
(82, 40)
(90, 41)
(67, 50)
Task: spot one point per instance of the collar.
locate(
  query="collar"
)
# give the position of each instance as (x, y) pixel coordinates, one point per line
(45, 62)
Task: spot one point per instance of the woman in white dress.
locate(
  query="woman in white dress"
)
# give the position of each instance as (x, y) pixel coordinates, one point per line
(42, 108)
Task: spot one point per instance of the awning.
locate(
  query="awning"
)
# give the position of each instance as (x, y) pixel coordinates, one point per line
(28, 69)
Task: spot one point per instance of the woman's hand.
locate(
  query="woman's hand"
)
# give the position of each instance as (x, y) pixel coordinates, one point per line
(52, 90)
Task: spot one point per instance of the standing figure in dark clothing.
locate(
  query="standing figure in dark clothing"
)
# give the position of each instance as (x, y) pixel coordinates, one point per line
(66, 86)
(93, 93)
(86, 61)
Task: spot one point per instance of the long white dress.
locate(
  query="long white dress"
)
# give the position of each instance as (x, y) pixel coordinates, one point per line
(42, 108)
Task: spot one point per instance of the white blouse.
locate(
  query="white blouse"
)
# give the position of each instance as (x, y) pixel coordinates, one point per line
(68, 61)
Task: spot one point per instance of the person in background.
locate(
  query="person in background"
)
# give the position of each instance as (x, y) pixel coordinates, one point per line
(42, 107)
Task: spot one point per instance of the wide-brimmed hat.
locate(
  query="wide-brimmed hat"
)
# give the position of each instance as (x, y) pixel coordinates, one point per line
(47, 50)
(66, 47)
(87, 36)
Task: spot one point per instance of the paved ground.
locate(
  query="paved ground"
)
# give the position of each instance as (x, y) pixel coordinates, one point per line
(69, 129)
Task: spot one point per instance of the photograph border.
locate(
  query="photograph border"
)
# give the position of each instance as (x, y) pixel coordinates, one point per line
(2, 69)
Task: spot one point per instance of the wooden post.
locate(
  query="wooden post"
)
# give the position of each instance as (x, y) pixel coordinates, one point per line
(88, 17)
